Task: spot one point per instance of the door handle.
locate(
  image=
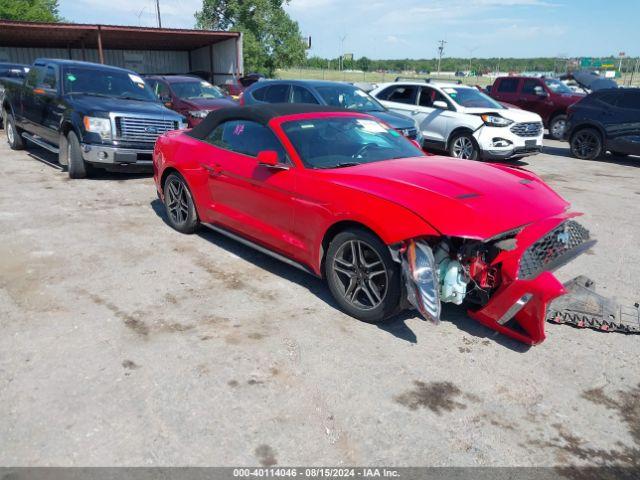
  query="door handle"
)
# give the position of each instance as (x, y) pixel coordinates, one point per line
(415, 112)
(213, 170)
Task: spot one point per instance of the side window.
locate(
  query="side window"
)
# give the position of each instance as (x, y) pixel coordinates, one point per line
(259, 93)
(49, 80)
(508, 85)
(429, 95)
(277, 94)
(35, 76)
(302, 95)
(162, 90)
(403, 94)
(529, 86)
(246, 137)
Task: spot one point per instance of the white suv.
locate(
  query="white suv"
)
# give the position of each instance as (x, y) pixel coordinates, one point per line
(464, 121)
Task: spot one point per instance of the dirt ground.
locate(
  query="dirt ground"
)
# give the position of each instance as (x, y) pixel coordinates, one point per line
(124, 342)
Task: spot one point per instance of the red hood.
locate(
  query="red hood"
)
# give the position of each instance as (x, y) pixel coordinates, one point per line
(459, 198)
(209, 103)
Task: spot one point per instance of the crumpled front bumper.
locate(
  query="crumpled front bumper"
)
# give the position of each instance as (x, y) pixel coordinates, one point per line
(518, 306)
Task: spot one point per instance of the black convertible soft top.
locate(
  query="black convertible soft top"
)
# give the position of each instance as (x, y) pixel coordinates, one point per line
(257, 113)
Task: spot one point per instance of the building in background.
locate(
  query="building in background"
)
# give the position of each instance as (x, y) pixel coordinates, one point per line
(215, 55)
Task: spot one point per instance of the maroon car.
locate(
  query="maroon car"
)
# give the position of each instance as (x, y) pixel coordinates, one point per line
(190, 96)
(548, 97)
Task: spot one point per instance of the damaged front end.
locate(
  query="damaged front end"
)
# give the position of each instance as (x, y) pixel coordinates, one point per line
(504, 281)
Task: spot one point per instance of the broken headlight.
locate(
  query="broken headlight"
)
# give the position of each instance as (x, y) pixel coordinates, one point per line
(421, 277)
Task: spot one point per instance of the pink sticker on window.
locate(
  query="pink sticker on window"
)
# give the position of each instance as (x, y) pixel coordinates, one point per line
(239, 129)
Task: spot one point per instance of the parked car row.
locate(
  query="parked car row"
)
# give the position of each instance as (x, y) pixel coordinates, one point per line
(99, 116)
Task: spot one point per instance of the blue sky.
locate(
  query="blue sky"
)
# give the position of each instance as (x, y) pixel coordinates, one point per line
(411, 28)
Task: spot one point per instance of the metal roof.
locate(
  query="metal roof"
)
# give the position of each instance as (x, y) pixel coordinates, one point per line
(115, 37)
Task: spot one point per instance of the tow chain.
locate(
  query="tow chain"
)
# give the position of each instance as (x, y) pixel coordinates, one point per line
(582, 307)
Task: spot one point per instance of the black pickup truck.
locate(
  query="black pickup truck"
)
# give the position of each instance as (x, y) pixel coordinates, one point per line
(91, 115)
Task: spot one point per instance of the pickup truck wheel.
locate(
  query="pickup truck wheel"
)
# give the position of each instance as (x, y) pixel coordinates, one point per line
(14, 137)
(557, 127)
(181, 211)
(77, 167)
(362, 276)
(586, 144)
(464, 146)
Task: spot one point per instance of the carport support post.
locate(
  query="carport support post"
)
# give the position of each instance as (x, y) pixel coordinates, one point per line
(211, 63)
(100, 52)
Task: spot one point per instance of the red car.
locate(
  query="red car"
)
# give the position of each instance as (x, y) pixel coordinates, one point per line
(548, 97)
(345, 197)
(191, 96)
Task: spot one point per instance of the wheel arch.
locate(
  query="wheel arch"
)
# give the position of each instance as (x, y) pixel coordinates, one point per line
(335, 229)
(457, 131)
(589, 125)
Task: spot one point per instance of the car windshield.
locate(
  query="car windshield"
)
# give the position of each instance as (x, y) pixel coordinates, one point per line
(556, 86)
(471, 98)
(196, 89)
(351, 98)
(346, 141)
(106, 83)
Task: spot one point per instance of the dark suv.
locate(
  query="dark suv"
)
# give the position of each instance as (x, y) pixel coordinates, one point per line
(335, 94)
(606, 120)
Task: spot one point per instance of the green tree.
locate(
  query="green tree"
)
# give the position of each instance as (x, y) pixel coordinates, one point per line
(272, 39)
(30, 10)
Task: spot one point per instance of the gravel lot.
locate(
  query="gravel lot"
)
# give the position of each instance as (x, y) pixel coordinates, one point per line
(126, 343)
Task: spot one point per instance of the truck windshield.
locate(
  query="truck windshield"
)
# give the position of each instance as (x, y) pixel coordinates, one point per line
(350, 98)
(106, 83)
(197, 89)
(556, 86)
(471, 98)
(346, 141)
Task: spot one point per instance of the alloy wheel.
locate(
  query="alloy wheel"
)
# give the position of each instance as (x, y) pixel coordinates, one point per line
(177, 202)
(10, 134)
(361, 273)
(558, 128)
(585, 144)
(463, 148)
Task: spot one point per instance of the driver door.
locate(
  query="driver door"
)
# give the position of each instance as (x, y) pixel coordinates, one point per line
(434, 122)
(251, 199)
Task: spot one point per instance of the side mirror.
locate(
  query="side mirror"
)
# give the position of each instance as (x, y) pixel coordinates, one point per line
(539, 91)
(269, 158)
(166, 99)
(440, 104)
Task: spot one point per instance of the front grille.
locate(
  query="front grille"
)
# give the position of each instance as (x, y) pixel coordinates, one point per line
(143, 130)
(410, 133)
(528, 129)
(554, 249)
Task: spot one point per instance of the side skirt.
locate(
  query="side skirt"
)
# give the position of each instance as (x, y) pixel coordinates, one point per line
(259, 248)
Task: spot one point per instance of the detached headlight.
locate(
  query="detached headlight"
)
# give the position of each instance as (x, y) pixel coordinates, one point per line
(198, 113)
(101, 126)
(495, 120)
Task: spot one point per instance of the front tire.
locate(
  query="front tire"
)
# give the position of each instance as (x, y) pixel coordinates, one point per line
(557, 127)
(76, 166)
(586, 144)
(464, 146)
(362, 276)
(178, 202)
(14, 137)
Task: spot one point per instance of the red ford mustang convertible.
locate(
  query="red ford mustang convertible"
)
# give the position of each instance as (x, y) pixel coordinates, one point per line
(345, 197)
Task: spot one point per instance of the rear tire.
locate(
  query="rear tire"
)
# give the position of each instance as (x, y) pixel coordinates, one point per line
(464, 146)
(178, 202)
(77, 167)
(586, 144)
(363, 278)
(14, 134)
(557, 127)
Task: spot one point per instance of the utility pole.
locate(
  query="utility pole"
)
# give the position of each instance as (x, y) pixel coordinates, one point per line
(471, 51)
(441, 45)
(158, 12)
(342, 39)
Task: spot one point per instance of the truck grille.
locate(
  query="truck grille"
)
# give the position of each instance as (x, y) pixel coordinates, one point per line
(554, 249)
(528, 129)
(410, 133)
(143, 130)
